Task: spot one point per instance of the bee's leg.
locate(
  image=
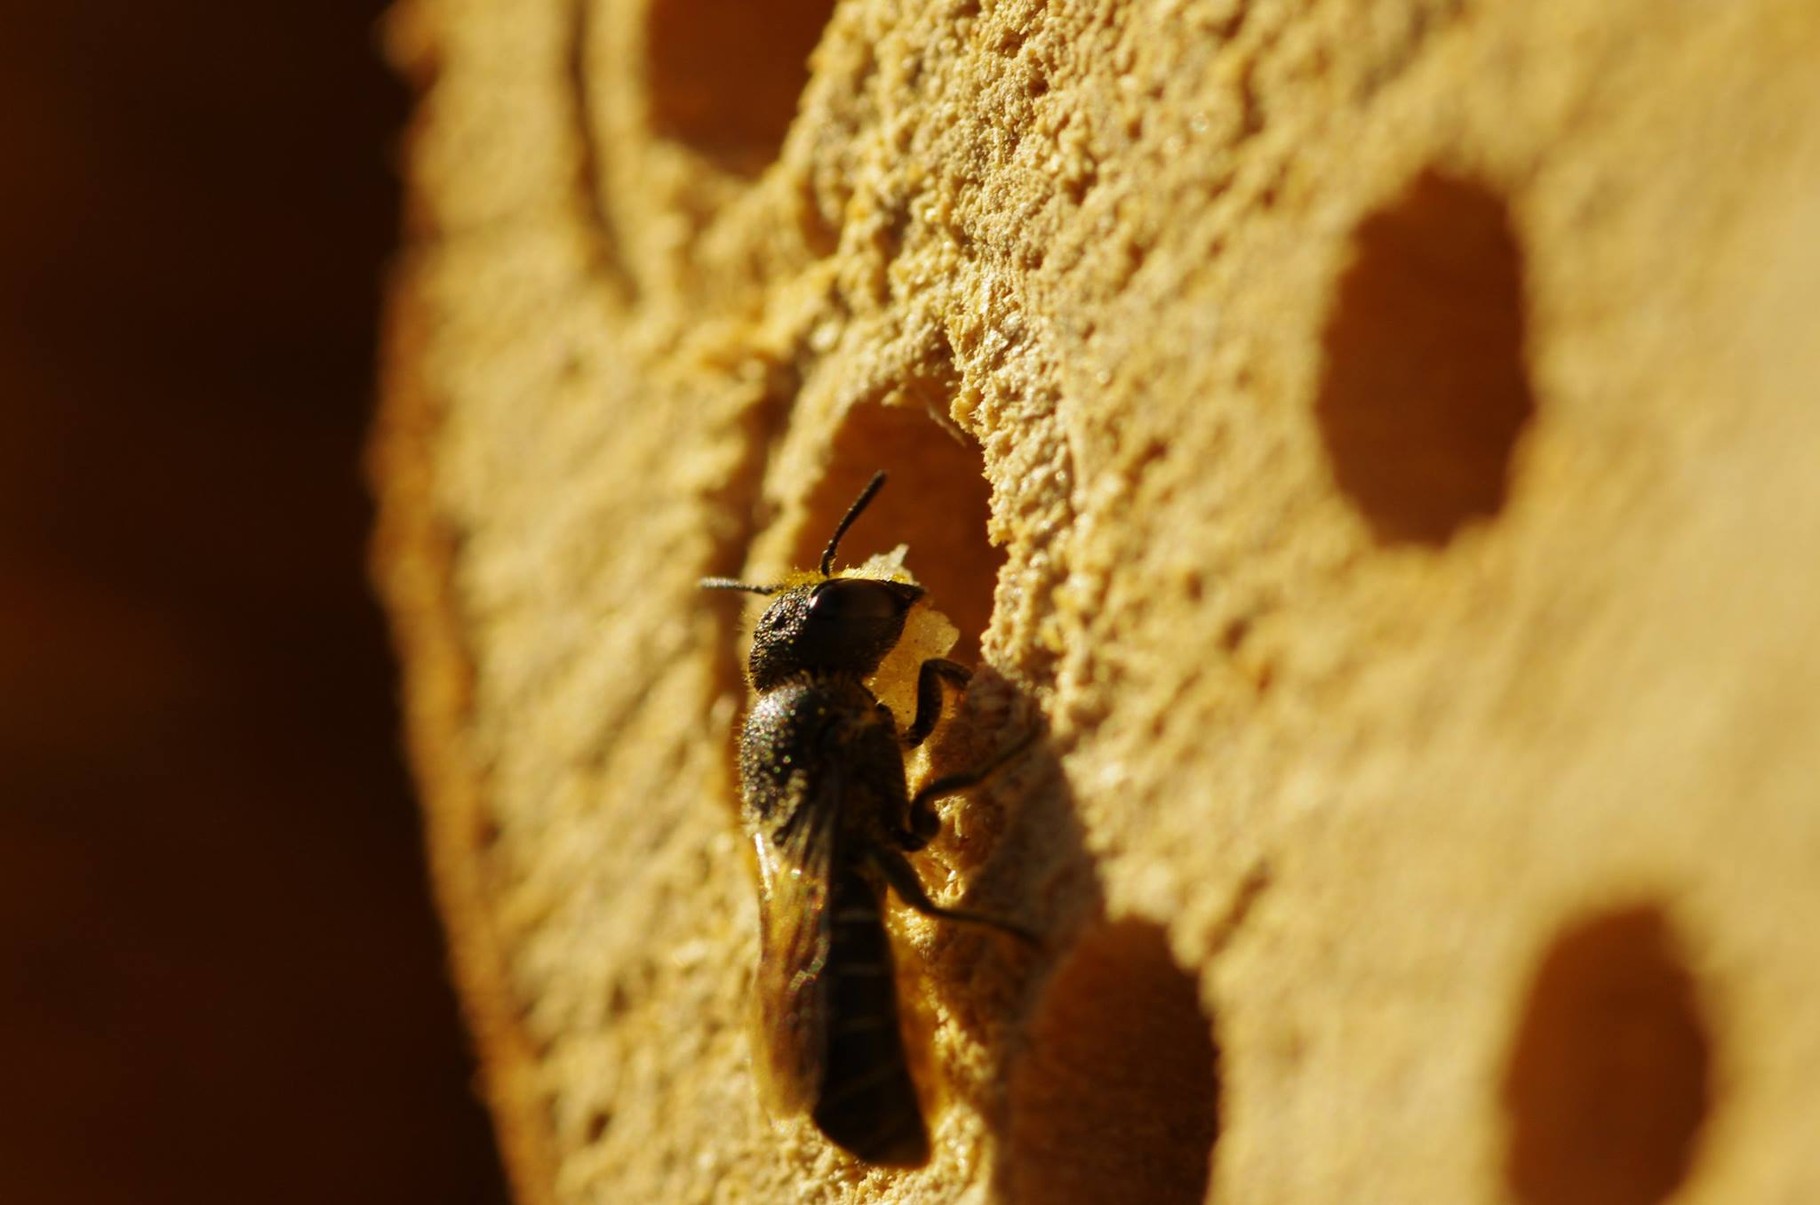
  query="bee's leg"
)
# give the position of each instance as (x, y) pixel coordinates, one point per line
(903, 880)
(929, 680)
(924, 822)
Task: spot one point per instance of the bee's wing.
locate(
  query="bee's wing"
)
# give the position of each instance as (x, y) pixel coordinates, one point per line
(796, 866)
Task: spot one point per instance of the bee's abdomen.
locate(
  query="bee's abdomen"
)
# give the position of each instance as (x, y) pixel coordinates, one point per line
(867, 1103)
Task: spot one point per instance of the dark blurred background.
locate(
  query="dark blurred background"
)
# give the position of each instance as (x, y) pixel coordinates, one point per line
(220, 977)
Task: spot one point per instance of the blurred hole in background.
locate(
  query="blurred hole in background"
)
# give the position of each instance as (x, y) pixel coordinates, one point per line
(725, 76)
(1425, 394)
(221, 980)
(1610, 1076)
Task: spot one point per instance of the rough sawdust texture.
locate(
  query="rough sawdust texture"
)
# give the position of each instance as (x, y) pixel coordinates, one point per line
(1379, 440)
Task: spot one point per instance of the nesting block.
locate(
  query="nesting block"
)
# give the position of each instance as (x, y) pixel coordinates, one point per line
(1375, 445)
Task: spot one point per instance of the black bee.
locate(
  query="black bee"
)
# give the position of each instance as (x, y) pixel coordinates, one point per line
(827, 805)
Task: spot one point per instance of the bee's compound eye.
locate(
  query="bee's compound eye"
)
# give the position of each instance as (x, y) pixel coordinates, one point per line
(856, 600)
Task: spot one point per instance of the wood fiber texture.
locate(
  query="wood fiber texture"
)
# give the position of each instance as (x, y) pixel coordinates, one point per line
(1379, 443)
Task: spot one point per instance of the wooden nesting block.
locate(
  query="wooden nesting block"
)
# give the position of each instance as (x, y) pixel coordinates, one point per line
(1375, 445)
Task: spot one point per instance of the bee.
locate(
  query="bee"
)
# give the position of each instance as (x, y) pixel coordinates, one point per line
(828, 808)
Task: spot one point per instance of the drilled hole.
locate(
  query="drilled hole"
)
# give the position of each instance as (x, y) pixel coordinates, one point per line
(1425, 391)
(725, 75)
(937, 501)
(1609, 1079)
(1117, 1096)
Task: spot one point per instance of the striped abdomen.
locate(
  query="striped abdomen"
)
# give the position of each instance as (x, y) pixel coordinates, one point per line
(867, 1103)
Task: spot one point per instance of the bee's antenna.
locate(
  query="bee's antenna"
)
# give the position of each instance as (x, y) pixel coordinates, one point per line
(859, 504)
(727, 583)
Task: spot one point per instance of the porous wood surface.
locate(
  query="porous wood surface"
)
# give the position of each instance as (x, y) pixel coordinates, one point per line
(1378, 441)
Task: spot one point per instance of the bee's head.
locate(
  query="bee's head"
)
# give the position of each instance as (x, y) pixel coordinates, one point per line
(833, 625)
(827, 624)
